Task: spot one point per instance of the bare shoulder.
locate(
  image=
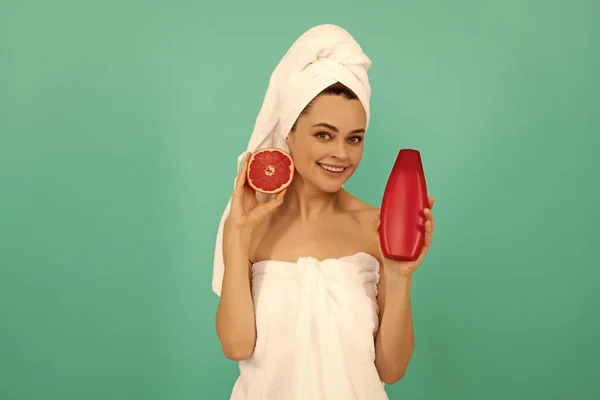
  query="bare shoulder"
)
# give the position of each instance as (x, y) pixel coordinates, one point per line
(359, 208)
(364, 214)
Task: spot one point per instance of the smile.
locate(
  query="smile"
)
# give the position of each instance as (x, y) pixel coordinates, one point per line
(332, 169)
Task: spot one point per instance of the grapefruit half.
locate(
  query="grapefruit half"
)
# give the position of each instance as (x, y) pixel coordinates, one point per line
(270, 170)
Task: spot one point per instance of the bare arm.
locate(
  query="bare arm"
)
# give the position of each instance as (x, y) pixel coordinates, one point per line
(395, 339)
(236, 325)
(235, 315)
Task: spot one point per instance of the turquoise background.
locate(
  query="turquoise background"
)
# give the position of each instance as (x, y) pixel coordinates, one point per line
(120, 124)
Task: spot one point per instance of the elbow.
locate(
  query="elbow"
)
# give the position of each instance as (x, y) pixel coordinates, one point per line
(391, 377)
(390, 373)
(392, 367)
(237, 341)
(238, 351)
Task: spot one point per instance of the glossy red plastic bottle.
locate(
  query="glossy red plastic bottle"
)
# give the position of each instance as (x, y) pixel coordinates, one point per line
(402, 222)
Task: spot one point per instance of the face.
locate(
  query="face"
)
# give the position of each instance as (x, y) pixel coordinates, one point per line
(327, 143)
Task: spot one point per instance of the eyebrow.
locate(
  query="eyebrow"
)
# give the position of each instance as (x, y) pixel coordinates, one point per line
(333, 128)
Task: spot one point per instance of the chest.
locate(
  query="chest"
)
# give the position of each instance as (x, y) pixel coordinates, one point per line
(334, 237)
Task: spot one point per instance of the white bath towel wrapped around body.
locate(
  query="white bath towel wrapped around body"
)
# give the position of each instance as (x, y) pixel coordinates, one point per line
(316, 322)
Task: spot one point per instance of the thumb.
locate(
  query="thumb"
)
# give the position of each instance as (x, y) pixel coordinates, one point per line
(275, 202)
(270, 206)
(376, 222)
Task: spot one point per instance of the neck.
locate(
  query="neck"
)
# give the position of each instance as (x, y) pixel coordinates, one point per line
(309, 202)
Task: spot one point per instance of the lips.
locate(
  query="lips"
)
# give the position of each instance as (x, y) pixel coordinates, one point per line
(332, 169)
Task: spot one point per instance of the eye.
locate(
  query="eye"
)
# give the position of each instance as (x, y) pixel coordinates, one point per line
(322, 135)
(355, 139)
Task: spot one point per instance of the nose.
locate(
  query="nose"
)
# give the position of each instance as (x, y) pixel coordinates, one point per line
(340, 150)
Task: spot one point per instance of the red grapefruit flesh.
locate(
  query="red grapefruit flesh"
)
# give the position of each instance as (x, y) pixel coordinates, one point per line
(270, 170)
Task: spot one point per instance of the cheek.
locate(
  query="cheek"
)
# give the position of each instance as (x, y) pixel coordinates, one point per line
(305, 158)
(299, 153)
(355, 153)
(305, 152)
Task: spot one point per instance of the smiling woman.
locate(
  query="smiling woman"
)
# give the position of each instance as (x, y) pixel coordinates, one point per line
(309, 307)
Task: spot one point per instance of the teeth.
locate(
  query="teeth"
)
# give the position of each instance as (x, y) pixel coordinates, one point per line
(332, 169)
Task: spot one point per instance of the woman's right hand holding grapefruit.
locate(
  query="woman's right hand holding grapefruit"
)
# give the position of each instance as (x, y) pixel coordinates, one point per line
(246, 211)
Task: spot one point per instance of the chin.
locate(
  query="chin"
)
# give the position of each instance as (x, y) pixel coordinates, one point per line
(329, 185)
(330, 188)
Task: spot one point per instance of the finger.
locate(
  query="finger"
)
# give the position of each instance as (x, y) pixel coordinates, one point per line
(429, 216)
(424, 251)
(264, 209)
(241, 176)
(281, 195)
(431, 201)
(376, 222)
(428, 233)
(276, 201)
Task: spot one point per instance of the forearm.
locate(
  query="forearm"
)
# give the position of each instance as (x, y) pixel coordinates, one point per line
(235, 321)
(394, 343)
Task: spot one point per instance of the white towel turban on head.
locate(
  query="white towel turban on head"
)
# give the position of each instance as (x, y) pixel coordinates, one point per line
(322, 56)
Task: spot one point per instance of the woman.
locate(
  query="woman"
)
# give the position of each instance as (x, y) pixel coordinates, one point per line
(309, 306)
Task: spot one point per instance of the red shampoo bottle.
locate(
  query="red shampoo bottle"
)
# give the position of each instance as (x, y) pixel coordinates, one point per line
(402, 226)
